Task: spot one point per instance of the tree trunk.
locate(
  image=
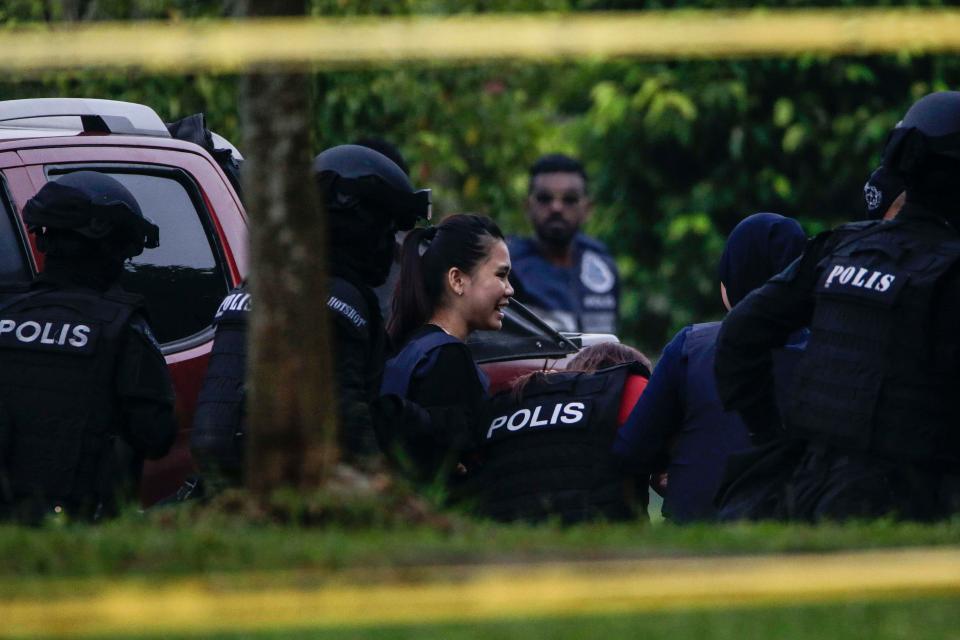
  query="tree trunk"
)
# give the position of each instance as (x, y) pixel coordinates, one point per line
(291, 420)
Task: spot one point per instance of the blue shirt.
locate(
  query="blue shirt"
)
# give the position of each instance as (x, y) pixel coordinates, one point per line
(583, 297)
(679, 423)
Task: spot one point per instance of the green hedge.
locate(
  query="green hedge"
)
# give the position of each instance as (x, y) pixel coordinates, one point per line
(678, 152)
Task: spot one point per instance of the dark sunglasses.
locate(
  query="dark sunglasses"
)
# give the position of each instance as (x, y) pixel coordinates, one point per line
(568, 199)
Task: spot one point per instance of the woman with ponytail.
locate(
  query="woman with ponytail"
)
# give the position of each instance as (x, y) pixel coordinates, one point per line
(453, 281)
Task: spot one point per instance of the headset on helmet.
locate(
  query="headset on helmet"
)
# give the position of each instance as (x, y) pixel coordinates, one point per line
(354, 172)
(930, 129)
(95, 206)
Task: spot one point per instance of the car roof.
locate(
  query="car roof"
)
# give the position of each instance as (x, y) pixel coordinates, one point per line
(71, 122)
(85, 114)
(49, 138)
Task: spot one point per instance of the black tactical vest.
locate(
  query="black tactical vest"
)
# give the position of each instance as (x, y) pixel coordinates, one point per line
(873, 378)
(219, 420)
(549, 454)
(58, 357)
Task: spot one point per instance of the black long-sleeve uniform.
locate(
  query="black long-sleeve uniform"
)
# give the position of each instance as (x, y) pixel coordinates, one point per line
(872, 403)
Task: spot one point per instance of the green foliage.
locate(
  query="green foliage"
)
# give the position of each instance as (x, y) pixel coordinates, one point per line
(677, 152)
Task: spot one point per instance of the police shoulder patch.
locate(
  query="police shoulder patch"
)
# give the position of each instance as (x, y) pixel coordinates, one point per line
(236, 303)
(348, 304)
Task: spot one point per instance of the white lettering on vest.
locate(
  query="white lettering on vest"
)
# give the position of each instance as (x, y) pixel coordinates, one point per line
(7, 325)
(498, 422)
(33, 326)
(556, 414)
(837, 270)
(45, 338)
(858, 277)
(885, 282)
(572, 413)
(524, 415)
(569, 413)
(535, 420)
(79, 338)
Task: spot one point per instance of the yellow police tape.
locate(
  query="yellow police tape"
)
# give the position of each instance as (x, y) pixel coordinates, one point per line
(244, 602)
(231, 45)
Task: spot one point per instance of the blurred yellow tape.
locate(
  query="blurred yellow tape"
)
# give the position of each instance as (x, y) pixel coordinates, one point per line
(233, 45)
(252, 602)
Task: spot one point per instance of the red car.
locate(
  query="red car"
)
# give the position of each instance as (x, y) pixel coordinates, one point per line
(203, 243)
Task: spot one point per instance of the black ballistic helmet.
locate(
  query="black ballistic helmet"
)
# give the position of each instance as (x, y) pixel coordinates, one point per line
(929, 134)
(350, 175)
(95, 206)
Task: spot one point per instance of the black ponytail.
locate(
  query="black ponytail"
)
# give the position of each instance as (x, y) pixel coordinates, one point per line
(462, 241)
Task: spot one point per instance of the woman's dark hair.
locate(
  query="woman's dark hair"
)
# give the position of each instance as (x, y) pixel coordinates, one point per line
(588, 360)
(462, 241)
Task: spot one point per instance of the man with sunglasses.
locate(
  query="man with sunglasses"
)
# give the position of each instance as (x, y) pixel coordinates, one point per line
(567, 277)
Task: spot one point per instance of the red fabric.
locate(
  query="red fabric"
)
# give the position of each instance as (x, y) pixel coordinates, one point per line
(632, 389)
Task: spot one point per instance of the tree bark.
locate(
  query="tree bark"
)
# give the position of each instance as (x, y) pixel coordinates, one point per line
(291, 417)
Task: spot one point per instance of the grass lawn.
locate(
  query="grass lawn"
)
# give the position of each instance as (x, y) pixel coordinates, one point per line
(879, 620)
(187, 543)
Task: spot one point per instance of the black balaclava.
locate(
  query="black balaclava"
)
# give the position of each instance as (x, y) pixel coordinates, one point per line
(361, 243)
(759, 247)
(70, 258)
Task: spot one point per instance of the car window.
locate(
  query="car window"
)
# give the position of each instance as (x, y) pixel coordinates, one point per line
(13, 257)
(182, 279)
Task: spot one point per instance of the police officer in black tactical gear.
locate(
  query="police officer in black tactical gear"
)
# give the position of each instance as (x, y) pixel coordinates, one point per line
(367, 199)
(872, 423)
(217, 437)
(85, 393)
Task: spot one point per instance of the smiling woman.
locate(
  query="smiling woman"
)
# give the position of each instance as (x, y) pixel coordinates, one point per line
(454, 279)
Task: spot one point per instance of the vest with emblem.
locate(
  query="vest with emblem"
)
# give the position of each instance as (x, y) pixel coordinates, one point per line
(549, 454)
(219, 420)
(582, 297)
(58, 358)
(873, 379)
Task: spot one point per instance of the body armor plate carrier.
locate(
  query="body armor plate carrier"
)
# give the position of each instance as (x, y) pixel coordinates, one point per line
(873, 380)
(58, 356)
(549, 454)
